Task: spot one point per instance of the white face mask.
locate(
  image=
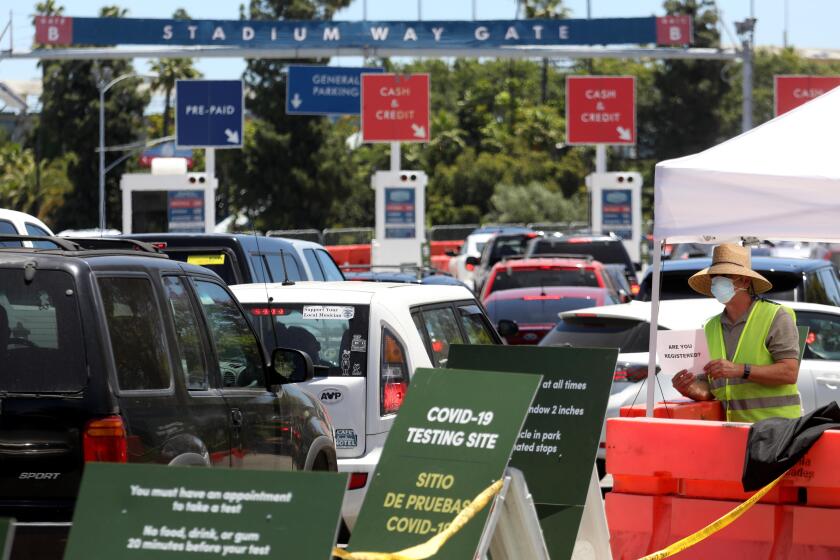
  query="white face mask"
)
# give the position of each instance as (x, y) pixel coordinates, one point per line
(723, 289)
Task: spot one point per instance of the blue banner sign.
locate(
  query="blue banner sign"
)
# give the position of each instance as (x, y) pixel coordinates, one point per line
(208, 113)
(186, 211)
(325, 90)
(617, 212)
(346, 34)
(399, 213)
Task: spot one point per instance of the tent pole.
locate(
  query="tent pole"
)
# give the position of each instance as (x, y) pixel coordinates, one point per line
(654, 324)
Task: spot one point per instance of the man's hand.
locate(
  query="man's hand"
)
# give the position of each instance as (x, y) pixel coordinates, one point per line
(690, 386)
(723, 369)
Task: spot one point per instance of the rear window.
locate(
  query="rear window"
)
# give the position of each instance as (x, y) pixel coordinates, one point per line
(541, 310)
(628, 335)
(674, 285)
(335, 336)
(8, 228)
(511, 278)
(41, 339)
(508, 247)
(219, 261)
(604, 251)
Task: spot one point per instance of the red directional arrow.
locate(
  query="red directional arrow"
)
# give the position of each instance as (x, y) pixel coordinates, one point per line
(395, 108)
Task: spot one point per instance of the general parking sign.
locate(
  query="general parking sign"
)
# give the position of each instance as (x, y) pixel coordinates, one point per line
(325, 90)
(209, 113)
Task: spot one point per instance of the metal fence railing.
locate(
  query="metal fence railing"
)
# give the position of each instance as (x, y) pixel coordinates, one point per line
(348, 236)
(305, 234)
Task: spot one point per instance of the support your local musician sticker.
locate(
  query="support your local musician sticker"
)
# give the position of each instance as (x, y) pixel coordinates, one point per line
(329, 312)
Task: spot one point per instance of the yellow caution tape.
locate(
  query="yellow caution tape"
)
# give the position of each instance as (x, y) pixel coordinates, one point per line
(714, 526)
(433, 545)
(204, 260)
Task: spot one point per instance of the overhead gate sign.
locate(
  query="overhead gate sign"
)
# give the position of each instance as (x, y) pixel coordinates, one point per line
(395, 108)
(792, 91)
(600, 110)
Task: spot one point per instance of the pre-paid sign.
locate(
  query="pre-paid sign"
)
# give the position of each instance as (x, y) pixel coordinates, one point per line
(209, 113)
(395, 108)
(451, 440)
(600, 110)
(154, 512)
(792, 91)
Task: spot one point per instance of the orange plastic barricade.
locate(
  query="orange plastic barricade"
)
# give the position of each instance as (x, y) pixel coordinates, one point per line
(683, 409)
(439, 248)
(349, 255)
(673, 477)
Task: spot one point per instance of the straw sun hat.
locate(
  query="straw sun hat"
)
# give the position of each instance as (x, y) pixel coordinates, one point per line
(728, 258)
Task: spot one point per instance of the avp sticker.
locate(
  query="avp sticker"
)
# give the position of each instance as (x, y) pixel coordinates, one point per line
(329, 312)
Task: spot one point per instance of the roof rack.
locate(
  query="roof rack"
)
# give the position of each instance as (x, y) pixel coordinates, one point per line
(113, 243)
(86, 245)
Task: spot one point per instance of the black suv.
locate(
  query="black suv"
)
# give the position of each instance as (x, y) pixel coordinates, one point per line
(111, 351)
(808, 280)
(239, 258)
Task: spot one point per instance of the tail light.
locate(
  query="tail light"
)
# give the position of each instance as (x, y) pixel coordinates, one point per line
(393, 374)
(538, 298)
(634, 288)
(631, 373)
(357, 480)
(469, 266)
(104, 440)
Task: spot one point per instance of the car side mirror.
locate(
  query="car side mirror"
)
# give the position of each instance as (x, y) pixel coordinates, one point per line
(475, 261)
(291, 366)
(637, 266)
(507, 328)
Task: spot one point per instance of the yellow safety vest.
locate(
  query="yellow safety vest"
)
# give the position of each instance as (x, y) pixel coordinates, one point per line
(744, 400)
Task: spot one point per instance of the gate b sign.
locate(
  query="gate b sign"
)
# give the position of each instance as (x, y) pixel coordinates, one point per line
(792, 91)
(600, 110)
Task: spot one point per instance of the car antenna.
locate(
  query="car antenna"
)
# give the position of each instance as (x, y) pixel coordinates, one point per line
(286, 281)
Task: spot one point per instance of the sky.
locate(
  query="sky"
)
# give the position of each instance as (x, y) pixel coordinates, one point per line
(811, 23)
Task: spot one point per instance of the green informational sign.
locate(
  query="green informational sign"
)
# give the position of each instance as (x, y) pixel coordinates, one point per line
(452, 439)
(7, 533)
(150, 511)
(557, 446)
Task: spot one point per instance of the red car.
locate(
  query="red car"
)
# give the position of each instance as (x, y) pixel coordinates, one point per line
(536, 272)
(526, 315)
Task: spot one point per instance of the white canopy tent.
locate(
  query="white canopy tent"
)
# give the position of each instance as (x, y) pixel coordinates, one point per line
(780, 180)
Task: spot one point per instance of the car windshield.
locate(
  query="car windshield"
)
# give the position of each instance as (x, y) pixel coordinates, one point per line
(628, 335)
(539, 310)
(608, 251)
(510, 278)
(334, 336)
(41, 338)
(674, 285)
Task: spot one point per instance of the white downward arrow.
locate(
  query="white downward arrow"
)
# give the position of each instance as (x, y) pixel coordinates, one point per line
(419, 131)
(232, 136)
(624, 133)
(296, 101)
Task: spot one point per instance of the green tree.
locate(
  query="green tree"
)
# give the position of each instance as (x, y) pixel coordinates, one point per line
(35, 188)
(69, 124)
(292, 171)
(170, 70)
(533, 203)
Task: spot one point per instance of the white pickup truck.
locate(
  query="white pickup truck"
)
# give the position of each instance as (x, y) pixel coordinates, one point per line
(367, 338)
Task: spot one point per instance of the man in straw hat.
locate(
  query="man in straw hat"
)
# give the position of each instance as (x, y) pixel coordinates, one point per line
(753, 344)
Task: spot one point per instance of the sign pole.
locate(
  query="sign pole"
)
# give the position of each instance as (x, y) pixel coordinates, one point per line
(601, 158)
(210, 162)
(395, 156)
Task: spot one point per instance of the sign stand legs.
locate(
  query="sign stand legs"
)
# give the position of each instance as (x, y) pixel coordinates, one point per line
(396, 156)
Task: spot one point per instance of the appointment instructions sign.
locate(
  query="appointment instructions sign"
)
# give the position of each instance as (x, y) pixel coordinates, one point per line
(96, 32)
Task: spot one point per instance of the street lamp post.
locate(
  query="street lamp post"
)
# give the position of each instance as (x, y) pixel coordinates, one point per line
(104, 87)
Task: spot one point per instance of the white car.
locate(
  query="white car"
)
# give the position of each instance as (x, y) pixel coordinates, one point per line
(472, 247)
(368, 338)
(19, 223)
(627, 326)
